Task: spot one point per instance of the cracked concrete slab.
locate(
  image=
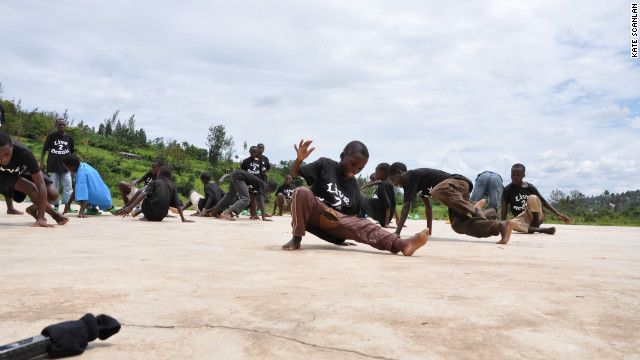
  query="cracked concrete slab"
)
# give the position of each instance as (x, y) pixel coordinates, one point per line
(216, 289)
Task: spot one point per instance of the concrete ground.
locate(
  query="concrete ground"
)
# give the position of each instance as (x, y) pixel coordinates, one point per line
(215, 289)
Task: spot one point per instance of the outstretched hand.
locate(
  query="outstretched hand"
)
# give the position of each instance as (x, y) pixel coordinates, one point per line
(566, 219)
(303, 151)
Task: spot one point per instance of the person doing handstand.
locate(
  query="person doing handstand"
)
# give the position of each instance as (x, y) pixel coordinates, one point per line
(327, 209)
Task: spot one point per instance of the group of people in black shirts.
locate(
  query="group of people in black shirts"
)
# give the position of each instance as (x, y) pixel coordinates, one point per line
(332, 207)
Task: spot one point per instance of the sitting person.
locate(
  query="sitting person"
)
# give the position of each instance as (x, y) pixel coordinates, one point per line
(453, 191)
(20, 175)
(243, 185)
(327, 209)
(128, 190)
(381, 206)
(212, 194)
(526, 204)
(156, 199)
(488, 184)
(90, 191)
(283, 196)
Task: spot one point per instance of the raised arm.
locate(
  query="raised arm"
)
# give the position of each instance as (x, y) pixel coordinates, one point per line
(377, 182)
(302, 152)
(223, 178)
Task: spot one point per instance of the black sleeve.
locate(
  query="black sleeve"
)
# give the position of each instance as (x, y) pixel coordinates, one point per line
(311, 172)
(410, 186)
(146, 176)
(281, 189)
(535, 191)
(384, 194)
(245, 164)
(47, 143)
(150, 187)
(30, 161)
(175, 200)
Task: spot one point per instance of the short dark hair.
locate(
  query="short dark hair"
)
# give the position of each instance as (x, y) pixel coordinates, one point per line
(518, 166)
(60, 119)
(393, 169)
(356, 146)
(157, 162)
(271, 184)
(71, 160)
(4, 138)
(165, 172)
(384, 167)
(205, 176)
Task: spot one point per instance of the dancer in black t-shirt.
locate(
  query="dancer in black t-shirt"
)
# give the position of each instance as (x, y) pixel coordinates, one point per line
(58, 145)
(381, 206)
(212, 194)
(129, 190)
(526, 204)
(156, 199)
(241, 184)
(327, 209)
(451, 190)
(20, 173)
(284, 195)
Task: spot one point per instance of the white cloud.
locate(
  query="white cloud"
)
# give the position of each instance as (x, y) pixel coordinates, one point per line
(464, 87)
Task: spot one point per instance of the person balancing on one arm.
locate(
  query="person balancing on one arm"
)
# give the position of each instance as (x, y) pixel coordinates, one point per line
(327, 209)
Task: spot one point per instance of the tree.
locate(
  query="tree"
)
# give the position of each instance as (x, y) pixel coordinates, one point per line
(220, 146)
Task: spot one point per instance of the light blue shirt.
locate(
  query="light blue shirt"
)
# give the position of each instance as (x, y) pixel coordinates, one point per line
(90, 187)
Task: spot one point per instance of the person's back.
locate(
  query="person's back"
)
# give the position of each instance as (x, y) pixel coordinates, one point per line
(211, 191)
(91, 187)
(161, 194)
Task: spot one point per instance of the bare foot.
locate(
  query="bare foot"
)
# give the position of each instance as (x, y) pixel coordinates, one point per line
(293, 244)
(477, 212)
(62, 220)
(227, 215)
(408, 246)
(174, 210)
(550, 231)
(505, 228)
(33, 211)
(481, 203)
(14, 211)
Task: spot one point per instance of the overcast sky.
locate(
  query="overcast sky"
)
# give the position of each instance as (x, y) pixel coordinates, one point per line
(462, 87)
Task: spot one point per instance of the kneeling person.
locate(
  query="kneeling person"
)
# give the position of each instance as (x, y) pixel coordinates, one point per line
(90, 191)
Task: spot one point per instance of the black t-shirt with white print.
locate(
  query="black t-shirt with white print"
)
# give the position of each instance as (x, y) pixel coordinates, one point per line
(252, 166)
(286, 190)
(58, 146)
(147, 178)
(22, 162)
(421, 182)
(516, 197)
(331, 187)
(386, 195)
